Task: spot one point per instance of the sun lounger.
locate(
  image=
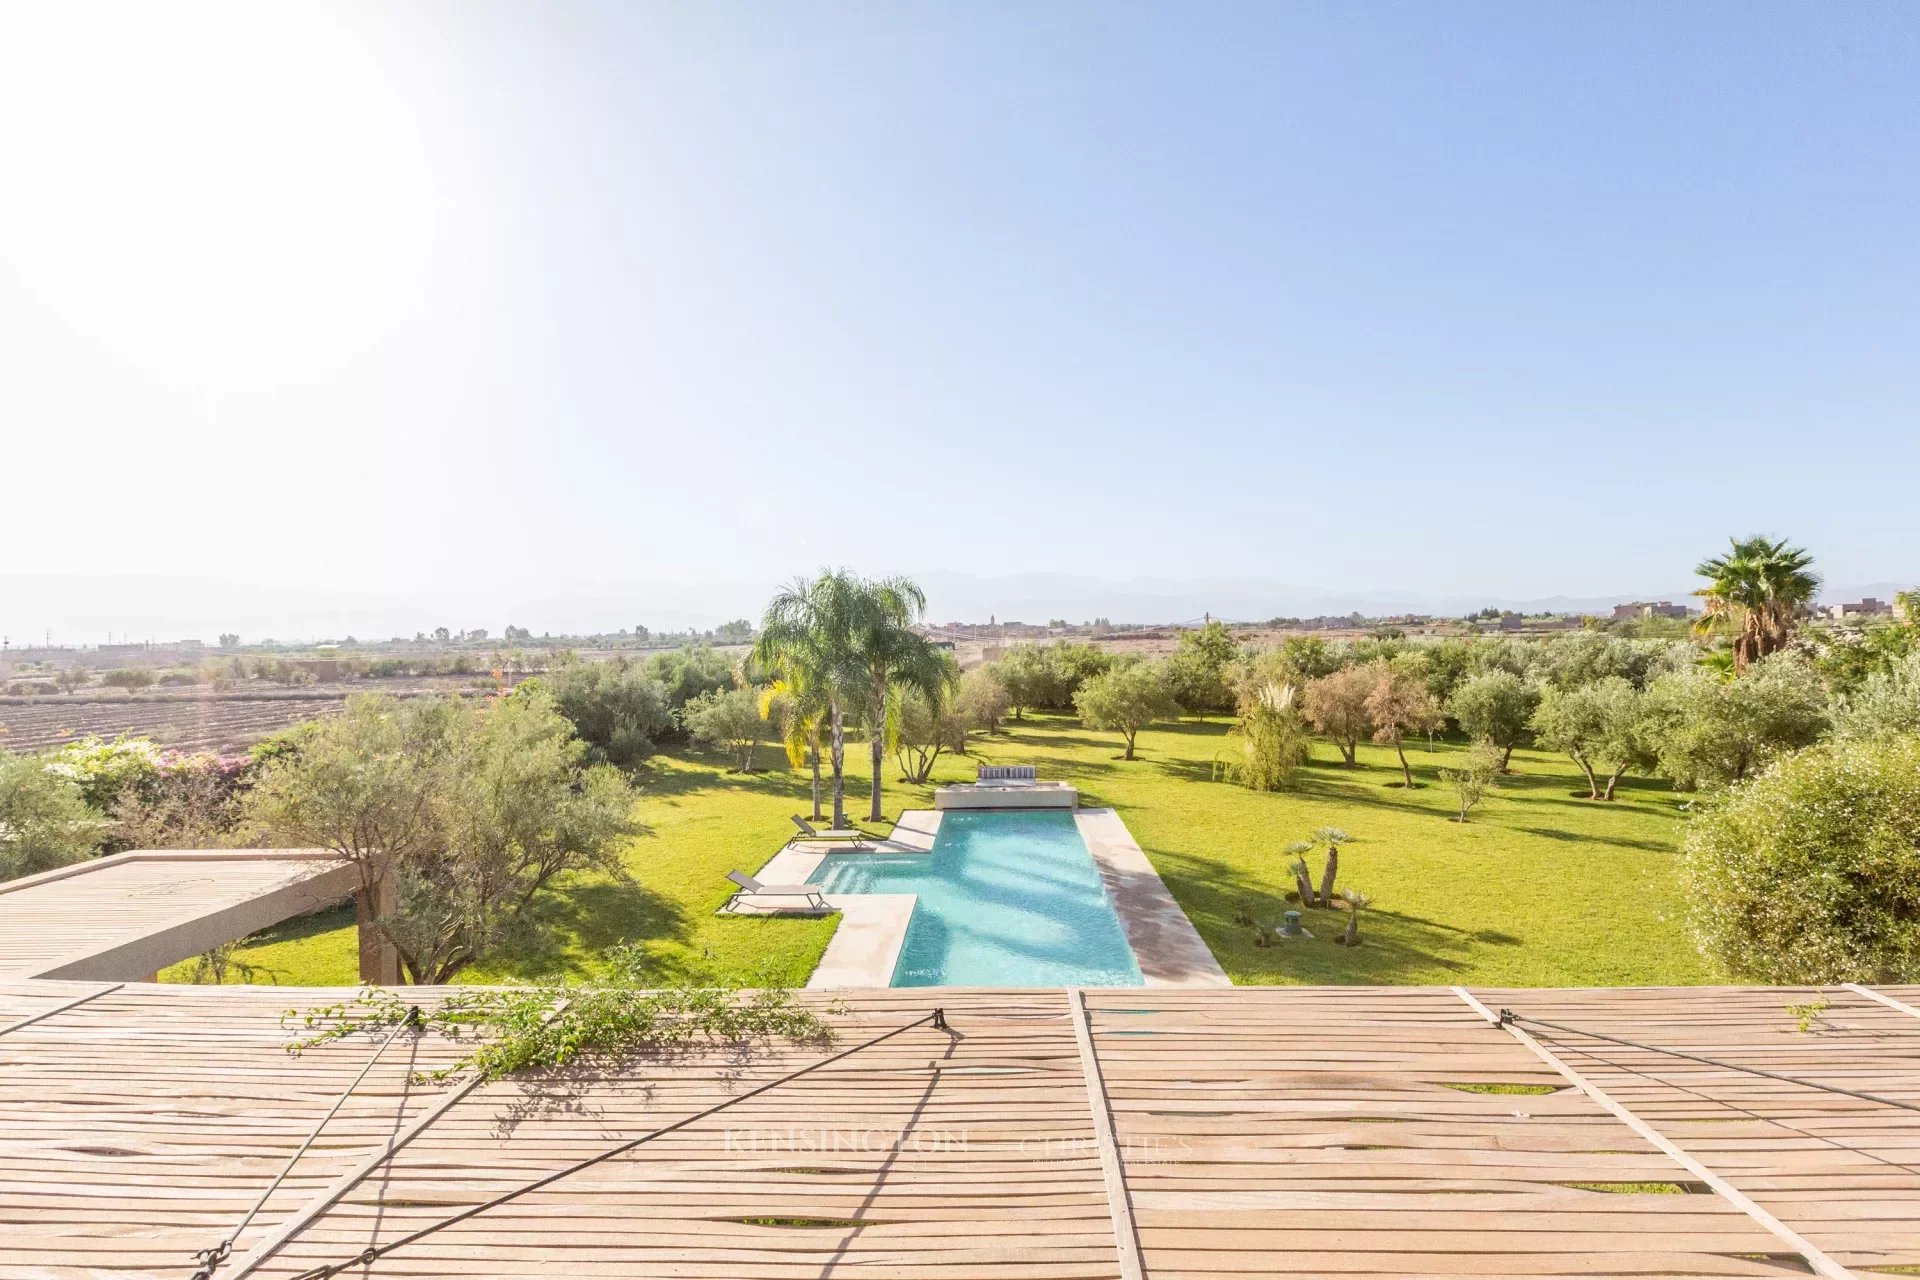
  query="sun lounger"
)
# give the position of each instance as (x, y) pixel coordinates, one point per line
(857, 839)
(799, 897)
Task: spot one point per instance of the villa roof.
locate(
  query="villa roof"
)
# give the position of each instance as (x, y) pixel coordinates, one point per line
(136, 912)
(1276, 1131)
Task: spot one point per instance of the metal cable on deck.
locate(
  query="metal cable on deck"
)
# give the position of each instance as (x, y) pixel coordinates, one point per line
(373, 1253)
(1508, 1016)
(210, 1259)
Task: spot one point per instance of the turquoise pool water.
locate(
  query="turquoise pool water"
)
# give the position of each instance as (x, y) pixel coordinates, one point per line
(1007, 899)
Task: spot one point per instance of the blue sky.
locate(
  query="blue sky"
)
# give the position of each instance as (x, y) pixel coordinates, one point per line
(1502, 299)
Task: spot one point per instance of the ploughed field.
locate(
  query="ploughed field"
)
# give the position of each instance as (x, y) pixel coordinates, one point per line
(190, 722)
(193, 719)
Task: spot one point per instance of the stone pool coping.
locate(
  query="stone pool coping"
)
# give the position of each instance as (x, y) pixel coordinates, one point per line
(1166, 946)
(873, 926)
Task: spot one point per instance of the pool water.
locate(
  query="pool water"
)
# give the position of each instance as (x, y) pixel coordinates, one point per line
(1007, 899)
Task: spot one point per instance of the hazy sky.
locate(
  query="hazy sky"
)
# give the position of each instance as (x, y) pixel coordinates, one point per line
(522, 299)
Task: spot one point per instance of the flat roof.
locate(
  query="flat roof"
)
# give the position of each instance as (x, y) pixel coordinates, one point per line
(129, 915)
(1177, 1133)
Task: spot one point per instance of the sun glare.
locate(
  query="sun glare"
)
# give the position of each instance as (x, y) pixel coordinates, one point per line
(227, 196)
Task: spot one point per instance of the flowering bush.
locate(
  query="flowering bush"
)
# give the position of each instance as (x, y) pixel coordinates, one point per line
(102, 770)
(1810, 873)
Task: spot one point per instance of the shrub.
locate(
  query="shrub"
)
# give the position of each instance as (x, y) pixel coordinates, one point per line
(129, 678)
(44, 820)
(1886, 705)
(1810, 873)
(688, 672)
(102, 770)
(615, 707)
(1476, 775)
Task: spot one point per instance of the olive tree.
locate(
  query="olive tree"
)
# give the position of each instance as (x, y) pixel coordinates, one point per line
(1495, 707)
(1031, 681)
(1198, 672)
(1710, 731)
(729, 719)
(982, 699)
(1126, 699)
(923, 731)
(1810, 872)
(1601, 726)
(473, 809)
(45, 821)
(1477, 773)
(616, 707)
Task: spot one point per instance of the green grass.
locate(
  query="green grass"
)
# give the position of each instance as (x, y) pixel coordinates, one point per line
(1541, 888)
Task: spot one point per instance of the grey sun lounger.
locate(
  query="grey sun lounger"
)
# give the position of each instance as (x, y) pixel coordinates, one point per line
(808, 895)
(857, 839)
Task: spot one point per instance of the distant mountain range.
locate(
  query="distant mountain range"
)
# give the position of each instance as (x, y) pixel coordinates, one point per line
(90, 610)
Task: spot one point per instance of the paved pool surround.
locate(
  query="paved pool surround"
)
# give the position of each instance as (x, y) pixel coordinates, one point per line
(873, 926)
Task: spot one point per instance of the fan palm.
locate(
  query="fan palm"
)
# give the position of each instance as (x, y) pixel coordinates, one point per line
(1757, 591)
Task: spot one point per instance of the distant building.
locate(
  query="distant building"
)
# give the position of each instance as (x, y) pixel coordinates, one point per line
(1867, 608)
(1650, 609)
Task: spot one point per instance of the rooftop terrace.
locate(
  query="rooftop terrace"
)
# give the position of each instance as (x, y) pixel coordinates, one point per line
(1172, 1133)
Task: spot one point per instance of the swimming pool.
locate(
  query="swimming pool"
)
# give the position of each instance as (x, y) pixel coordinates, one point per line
(1008, 898)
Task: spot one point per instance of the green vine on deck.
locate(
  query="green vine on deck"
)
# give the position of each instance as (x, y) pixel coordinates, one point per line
(546, 1026)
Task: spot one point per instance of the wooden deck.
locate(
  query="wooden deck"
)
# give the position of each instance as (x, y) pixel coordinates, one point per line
(125, 917)
(1255, 1132)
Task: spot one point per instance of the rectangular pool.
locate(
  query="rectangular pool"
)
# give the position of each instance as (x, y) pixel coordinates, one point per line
(1007, 899)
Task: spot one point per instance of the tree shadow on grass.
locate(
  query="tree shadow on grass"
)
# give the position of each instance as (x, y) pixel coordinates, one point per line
(1585, 837)
(589, 916)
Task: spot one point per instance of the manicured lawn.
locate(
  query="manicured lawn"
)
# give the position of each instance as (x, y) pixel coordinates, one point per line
(1542, 888)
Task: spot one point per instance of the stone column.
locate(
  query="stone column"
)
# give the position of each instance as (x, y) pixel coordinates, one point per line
(379, 962)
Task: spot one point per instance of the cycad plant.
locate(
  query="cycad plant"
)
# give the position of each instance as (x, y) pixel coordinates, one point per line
(1356, 903)
(1757, 591)
(1302, 878)
(1333, 838)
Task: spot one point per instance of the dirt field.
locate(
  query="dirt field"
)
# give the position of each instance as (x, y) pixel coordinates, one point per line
(195, 719)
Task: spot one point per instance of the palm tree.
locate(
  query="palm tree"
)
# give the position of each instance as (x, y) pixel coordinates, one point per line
(896, 658)
(1758, 591)
(800, 715)
(813, 639)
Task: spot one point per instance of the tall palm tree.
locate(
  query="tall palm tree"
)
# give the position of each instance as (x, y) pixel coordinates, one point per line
(1758, 591)
(896, 658)
(812, 638)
